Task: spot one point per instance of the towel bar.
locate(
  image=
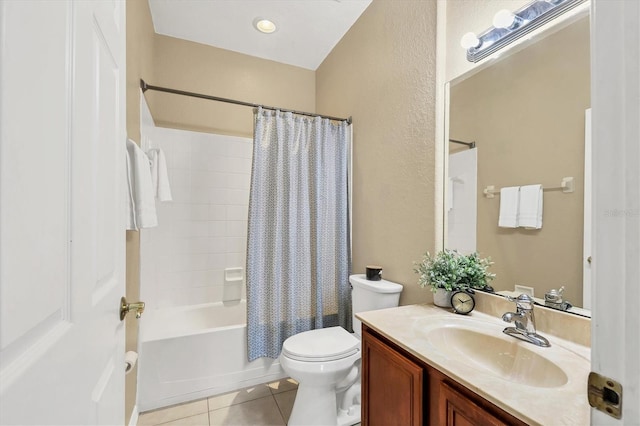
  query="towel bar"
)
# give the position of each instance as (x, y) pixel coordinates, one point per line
(567, 186)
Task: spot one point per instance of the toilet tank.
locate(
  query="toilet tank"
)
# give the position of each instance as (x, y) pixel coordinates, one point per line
(371, 295)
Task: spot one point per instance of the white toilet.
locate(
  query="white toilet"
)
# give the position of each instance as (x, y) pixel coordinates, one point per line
(326, 362)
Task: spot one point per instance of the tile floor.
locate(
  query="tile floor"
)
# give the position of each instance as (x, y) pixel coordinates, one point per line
(267, 404)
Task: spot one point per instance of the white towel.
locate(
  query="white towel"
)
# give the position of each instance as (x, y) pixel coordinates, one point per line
(159, 175)
(509, 202)
(530, 211)
(142, 207)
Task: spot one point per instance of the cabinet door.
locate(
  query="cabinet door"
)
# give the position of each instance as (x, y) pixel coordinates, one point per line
(457, 409)
(391, 386)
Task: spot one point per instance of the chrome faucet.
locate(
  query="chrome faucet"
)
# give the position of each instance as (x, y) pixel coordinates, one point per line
(524, 320)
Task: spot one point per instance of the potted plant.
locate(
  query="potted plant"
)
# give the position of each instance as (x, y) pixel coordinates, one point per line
(449, 271)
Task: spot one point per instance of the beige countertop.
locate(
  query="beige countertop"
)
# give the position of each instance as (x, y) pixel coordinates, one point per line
(408, 326)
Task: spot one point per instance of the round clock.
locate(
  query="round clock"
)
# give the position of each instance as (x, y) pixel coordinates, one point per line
(462, 302)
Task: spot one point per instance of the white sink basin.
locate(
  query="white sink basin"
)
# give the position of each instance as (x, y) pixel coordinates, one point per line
(504, 356)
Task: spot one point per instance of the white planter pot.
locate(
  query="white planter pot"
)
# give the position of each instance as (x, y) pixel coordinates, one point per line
(442, 298)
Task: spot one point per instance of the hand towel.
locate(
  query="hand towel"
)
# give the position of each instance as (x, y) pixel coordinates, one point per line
(530, 211)
(159, 175)
(509, 203)
(142, 207)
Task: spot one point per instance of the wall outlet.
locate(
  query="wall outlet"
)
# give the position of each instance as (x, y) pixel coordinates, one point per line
(523, 289)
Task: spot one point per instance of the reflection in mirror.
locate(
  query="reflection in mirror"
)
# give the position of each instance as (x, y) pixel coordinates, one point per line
(526, 114)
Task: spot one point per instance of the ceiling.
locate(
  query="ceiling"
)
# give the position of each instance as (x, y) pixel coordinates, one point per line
(307, 30)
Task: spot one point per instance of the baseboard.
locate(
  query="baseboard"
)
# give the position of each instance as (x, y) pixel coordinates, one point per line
(133, 421)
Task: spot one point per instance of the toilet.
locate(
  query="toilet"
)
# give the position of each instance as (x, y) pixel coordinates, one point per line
(326, 362)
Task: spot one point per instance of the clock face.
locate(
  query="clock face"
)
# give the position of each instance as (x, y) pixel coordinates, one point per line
(462, 302)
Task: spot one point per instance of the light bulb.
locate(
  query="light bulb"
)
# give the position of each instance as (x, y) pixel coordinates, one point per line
(469, 40)
(264, 25)
(504, 19)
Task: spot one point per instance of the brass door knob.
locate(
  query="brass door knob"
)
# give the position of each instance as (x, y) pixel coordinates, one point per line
(125, 308)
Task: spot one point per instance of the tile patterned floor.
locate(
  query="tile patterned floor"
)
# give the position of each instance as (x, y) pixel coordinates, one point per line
(268, 404)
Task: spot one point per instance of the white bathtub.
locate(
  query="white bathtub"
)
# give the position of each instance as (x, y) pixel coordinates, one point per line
(197, 351)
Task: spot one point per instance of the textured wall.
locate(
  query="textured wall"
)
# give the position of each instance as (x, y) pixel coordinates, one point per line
(383, 74)
(139, 62)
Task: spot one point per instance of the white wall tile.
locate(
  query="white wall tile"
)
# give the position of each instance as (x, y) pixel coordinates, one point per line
(241, 150)
(236, 244)
(199, 212)
(218, 196)
(218, 245)
(237, 212)
(203, 231)
(179, 178)
(200, 194)
(217, 212)
(235, 164)
(218, 228)
(237, 197)
(237, 228)
(217, 260)
(238, 181)
(181, 194)
(236, 260)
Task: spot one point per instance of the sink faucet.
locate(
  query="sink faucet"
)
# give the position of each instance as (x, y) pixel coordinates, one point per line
(524, 320)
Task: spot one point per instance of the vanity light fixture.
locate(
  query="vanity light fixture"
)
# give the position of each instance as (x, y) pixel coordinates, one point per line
(509, 26)
(264, 25)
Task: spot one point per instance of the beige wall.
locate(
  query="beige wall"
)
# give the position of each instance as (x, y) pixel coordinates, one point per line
(185, 65)
(139, 62)
(382, 74)
(526, 114)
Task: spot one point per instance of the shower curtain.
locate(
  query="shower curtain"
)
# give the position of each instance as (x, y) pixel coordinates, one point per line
(298, 249)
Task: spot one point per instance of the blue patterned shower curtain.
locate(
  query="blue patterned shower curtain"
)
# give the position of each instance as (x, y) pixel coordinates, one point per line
(298, 249)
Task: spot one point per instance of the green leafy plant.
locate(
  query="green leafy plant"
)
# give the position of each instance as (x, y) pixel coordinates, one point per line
(451, 270)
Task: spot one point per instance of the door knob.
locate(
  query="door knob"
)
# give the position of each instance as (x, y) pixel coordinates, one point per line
(125, 308)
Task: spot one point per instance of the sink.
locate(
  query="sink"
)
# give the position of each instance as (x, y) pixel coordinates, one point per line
(508, 358)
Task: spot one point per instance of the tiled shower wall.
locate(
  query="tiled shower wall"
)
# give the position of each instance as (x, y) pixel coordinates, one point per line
(204, 229)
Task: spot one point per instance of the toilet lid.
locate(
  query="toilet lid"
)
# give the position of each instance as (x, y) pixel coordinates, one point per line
(324, 344)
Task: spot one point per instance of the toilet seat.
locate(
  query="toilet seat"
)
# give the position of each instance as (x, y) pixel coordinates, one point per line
(321, 345)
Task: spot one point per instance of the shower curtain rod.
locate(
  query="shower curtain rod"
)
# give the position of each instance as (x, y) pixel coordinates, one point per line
(144, 86)
(469, 144)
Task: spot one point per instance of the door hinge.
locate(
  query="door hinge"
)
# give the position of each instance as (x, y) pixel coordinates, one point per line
(605, 394)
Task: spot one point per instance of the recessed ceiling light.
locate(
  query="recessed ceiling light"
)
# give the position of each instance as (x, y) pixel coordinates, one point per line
(264, 25)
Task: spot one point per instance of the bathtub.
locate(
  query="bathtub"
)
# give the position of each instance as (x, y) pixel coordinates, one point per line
(192, 352)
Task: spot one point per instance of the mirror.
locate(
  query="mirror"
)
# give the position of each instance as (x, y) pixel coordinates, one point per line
(526, 114)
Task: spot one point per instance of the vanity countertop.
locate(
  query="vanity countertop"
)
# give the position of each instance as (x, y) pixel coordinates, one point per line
(563, 405)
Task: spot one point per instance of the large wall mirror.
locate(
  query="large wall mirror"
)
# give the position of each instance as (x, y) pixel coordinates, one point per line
(526, 113)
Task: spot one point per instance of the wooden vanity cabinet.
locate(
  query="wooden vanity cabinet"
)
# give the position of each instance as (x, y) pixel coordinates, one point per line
(399, 389)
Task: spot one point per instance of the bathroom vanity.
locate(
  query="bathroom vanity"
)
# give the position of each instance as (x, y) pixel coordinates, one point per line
(425, 365)
(394, 378)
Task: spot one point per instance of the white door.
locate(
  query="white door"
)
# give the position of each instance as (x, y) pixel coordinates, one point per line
(615, 101)
(62, 234)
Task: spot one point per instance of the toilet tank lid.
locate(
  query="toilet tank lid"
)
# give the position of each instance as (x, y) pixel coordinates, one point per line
(382, 286)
